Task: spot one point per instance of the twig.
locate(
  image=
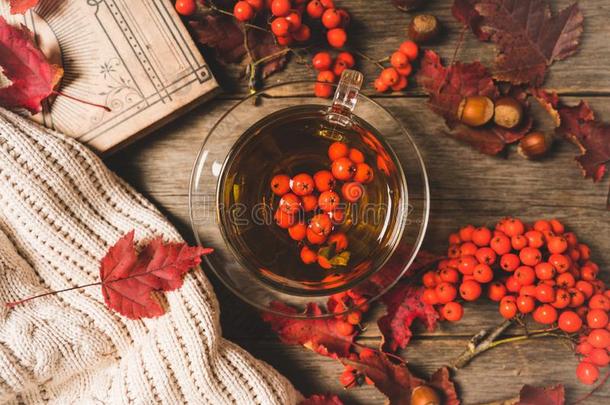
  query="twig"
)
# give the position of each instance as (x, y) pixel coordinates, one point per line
(377, 62)
(478, 344)
(590, 393)
(272, 56)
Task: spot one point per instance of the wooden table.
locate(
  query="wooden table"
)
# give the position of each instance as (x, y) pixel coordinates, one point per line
(466, 187)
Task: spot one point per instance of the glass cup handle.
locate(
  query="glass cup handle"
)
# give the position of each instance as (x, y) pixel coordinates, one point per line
(346, 96)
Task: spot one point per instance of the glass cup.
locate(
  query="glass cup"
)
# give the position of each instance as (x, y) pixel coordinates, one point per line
(286, 129)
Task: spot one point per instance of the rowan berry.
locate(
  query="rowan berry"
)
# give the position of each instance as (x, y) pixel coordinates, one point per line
(308, 256)
(508, 307)
(452, 311)
(186, 7)
(405, 70)
(583, 347)
(500, 244)
(328, 201)
(445, 292)
(410, 49)
(309, 202)
(302, 34)
(298, 231)
(509, 262)
(486, 255)
(525, 275)
(337, 150)
(576, 298)
(599, 357)
(399, 60)
(562, 299)
(290, 203)
(453, 251)
(525, 304)
(315, 9)
(468, 249)
(280, 184)
(380, 85)
(545, 314)
(429, 296)
(513, 227)
(557, 245)
(331, 19)
(585, 287)
(450, 275)
(324, 180)
(518, 242)
(280, 8)
(529, 290)
(587, 373)
(496, 291)
(352, 191)
(295, 21)
(542, 225)
(323, 90)
(466, 264)
(466, 233)
(556, 226)
(283, 219)
(315, 238)
(569, 322)
(481, 236)
(599, 338)
(321, 224)
(243, 11)
(470, 290)
(565, 280)
(390, 76)
(280, 26)
(483, 273)
(534, 238)
(599, 301)
(512, 284)
(585, 252)
(561, 262)
(364, 173)
(597, 318)
(302, 184)
(429, 279)
(336, 37)
(545, 293)
(530, 256)
(343, 169)
(588, 273)
(328, 3)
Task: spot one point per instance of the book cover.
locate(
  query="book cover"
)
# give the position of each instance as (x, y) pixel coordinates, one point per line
(134, 56)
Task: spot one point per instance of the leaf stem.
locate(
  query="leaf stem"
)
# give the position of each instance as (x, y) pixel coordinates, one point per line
(104, 107)
(590, 393)
(272, 56)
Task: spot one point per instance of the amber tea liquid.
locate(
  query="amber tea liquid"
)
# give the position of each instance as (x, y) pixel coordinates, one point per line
(292, 141)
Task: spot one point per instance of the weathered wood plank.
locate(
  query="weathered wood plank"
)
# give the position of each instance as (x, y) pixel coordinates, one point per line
(377, 31)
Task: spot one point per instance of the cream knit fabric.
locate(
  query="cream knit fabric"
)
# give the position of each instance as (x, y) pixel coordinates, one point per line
(60, 210)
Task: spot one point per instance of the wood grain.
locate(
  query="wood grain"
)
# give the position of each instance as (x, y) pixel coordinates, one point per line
(466, 187)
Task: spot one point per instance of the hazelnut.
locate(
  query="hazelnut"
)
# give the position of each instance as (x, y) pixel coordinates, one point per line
(424, 395)
(475, 110)
(535, 145)
(423, 28)
(508, 112)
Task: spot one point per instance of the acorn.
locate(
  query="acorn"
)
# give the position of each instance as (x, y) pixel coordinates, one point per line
(475, 110)
(535, 145)
(423, 28)
(508, 112)
(425, 395)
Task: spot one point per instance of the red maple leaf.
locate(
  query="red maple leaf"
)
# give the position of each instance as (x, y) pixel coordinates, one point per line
(21, 6)
(32, 77)
(442, 382)
(528, 36)
(129, 281)
(447, 86)
(530, 395)
(319, 335)
(322, 399)
(403, 306)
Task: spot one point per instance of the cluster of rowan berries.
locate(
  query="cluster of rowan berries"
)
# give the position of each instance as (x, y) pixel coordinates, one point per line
(329, 70)
(316, 198)
(539, 269)
(395, 77)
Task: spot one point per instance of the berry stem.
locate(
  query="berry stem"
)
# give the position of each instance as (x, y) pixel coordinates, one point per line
(215, 8)
(272, 56)
(377, 62)
(479, 343)
(520, 338)
(15, 303)
(104, 107)
(590, 393)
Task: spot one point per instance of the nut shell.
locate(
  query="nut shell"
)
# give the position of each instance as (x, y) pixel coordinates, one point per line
(508, 112)
(535, 145)
(475, 110)
(423, 28)
(425, 395)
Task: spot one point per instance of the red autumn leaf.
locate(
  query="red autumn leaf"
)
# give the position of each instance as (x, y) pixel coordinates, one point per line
(395, 381)
(447, 86)
(223, 34)
(322, 399)
(403, 305)
(129, 281)
(318, 335)
(528, 36)
(21, 6)
(442, 382)
(530, 395)
(32, 77)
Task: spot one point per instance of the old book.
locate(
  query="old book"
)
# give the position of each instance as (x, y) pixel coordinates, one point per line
(134, 56)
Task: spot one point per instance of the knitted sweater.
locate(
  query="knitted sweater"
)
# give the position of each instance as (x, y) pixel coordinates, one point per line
(60, 211)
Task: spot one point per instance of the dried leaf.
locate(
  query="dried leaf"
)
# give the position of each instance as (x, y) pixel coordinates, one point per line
(447, 86)
(442, 382)
(403, 305)
(553, 395)
(578, 124)
(32, 78)
(225, 36)
(549, 101)
(407, 5)
(528, 36)
(129, 280)
(318, 335)
(322, 399)
(21, 6)
(395, 381)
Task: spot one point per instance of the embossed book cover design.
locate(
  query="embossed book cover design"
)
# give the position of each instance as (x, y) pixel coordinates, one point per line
(134, 56)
